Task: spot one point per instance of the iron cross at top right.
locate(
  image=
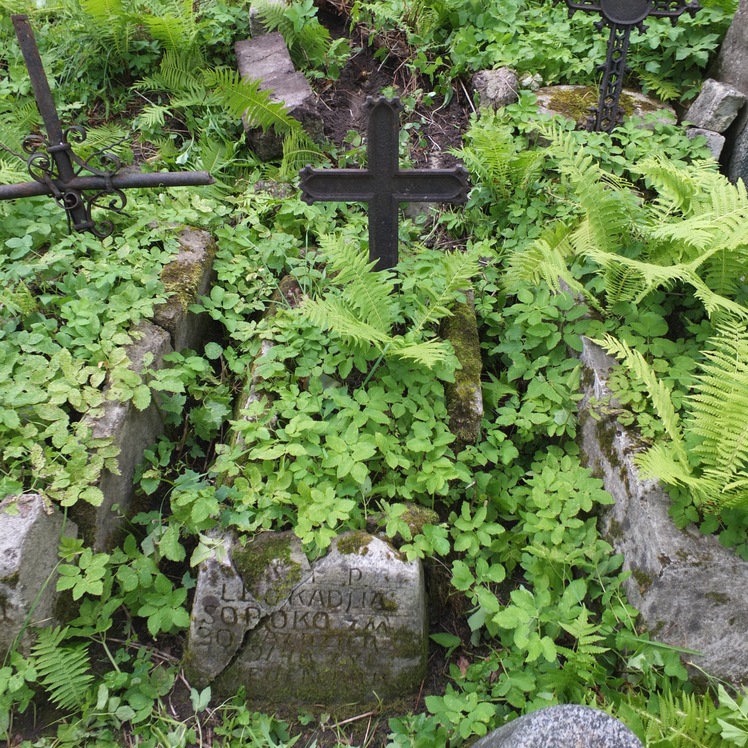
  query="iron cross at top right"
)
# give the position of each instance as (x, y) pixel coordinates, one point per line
(622, 16)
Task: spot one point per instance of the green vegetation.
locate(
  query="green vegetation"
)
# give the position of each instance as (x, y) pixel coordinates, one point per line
(588, 234)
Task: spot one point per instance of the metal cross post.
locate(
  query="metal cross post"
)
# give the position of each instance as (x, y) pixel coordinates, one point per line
(56, 168)
(622, 16)
(382, 185)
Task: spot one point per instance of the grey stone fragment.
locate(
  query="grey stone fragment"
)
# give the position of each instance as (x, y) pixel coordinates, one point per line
(348, 627)
(30, 532)
(188, 276)
(133, 431)
(732, 61)
(496, 88)
(714, 141)
(716, 106)
(736, 148)
(689, 589)
(266, 58)
(256, 26)
(563, 726)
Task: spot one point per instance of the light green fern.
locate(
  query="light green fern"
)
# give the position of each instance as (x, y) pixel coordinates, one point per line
(716, 413)
(62, 669)
(362, 309)
(670, 721)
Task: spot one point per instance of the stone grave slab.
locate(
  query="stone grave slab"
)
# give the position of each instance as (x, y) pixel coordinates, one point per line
(562, 726)
(349, 627)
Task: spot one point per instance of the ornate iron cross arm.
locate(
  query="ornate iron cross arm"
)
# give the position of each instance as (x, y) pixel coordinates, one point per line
(622, 16)
(77, 185)
(382, 185)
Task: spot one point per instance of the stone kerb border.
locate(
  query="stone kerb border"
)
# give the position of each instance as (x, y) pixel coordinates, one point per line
(30, 528)
(186, 277)
(689, 589)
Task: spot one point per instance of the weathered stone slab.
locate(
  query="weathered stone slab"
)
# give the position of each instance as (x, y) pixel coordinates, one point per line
(716, 106)
(714, 141)
(575, 102)
(348, 627)
(30, 533)
(496, 88)
(563, 726)
(689, 589)
(188, 276)
(266, 58)
(133, 431)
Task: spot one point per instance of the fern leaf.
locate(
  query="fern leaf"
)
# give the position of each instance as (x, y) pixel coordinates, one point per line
(428, 353)
(367, 294)
(244, 98)
(459, 268)
(63, 670)
(333, 314)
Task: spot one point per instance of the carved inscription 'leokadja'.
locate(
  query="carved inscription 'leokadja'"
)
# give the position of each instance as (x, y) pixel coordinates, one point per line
(352, 626)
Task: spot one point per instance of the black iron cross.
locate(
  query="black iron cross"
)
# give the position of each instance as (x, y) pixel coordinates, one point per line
(382, 185)
(622, 16)
(57, 170)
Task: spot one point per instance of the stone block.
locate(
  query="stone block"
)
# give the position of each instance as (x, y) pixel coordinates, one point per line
(714, 141)
(496, 88)
(563, 726)
(348, 627)
(133, 431)
(688, 588)
(30, 532)
(732, 61)
(716, 106)
(266, 58)
(188, 276)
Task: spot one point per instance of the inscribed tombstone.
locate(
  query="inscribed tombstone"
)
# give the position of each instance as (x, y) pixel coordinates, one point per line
(348, 627)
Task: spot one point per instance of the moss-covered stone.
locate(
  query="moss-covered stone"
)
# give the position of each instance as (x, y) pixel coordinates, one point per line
(266, 561)
(464, 395)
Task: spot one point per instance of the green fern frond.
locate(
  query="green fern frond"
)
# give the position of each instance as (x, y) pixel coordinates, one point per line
(12, 171)
(664, 90)
(298, 151)
(719, 406)
(176, 30)
(659, 392)
(366, 293)
(427, 353)
(458, 269)
(63, 670)
(333, 314)
(682, 721)
(308, 41)
(244, 98)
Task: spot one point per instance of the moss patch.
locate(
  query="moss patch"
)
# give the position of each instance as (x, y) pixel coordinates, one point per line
(576, 103)
(253, 562)
(357, 543)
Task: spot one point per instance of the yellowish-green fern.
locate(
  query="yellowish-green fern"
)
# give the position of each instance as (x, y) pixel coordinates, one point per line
(670, 721)
(63, 669)
(362, 309)
(716, 413)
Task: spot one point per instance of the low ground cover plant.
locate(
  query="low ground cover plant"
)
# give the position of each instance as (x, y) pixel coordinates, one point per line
(357, 424)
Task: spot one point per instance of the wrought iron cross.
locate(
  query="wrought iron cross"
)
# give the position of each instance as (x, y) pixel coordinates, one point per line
(59, 172)
(382, 185)
(622, 16)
